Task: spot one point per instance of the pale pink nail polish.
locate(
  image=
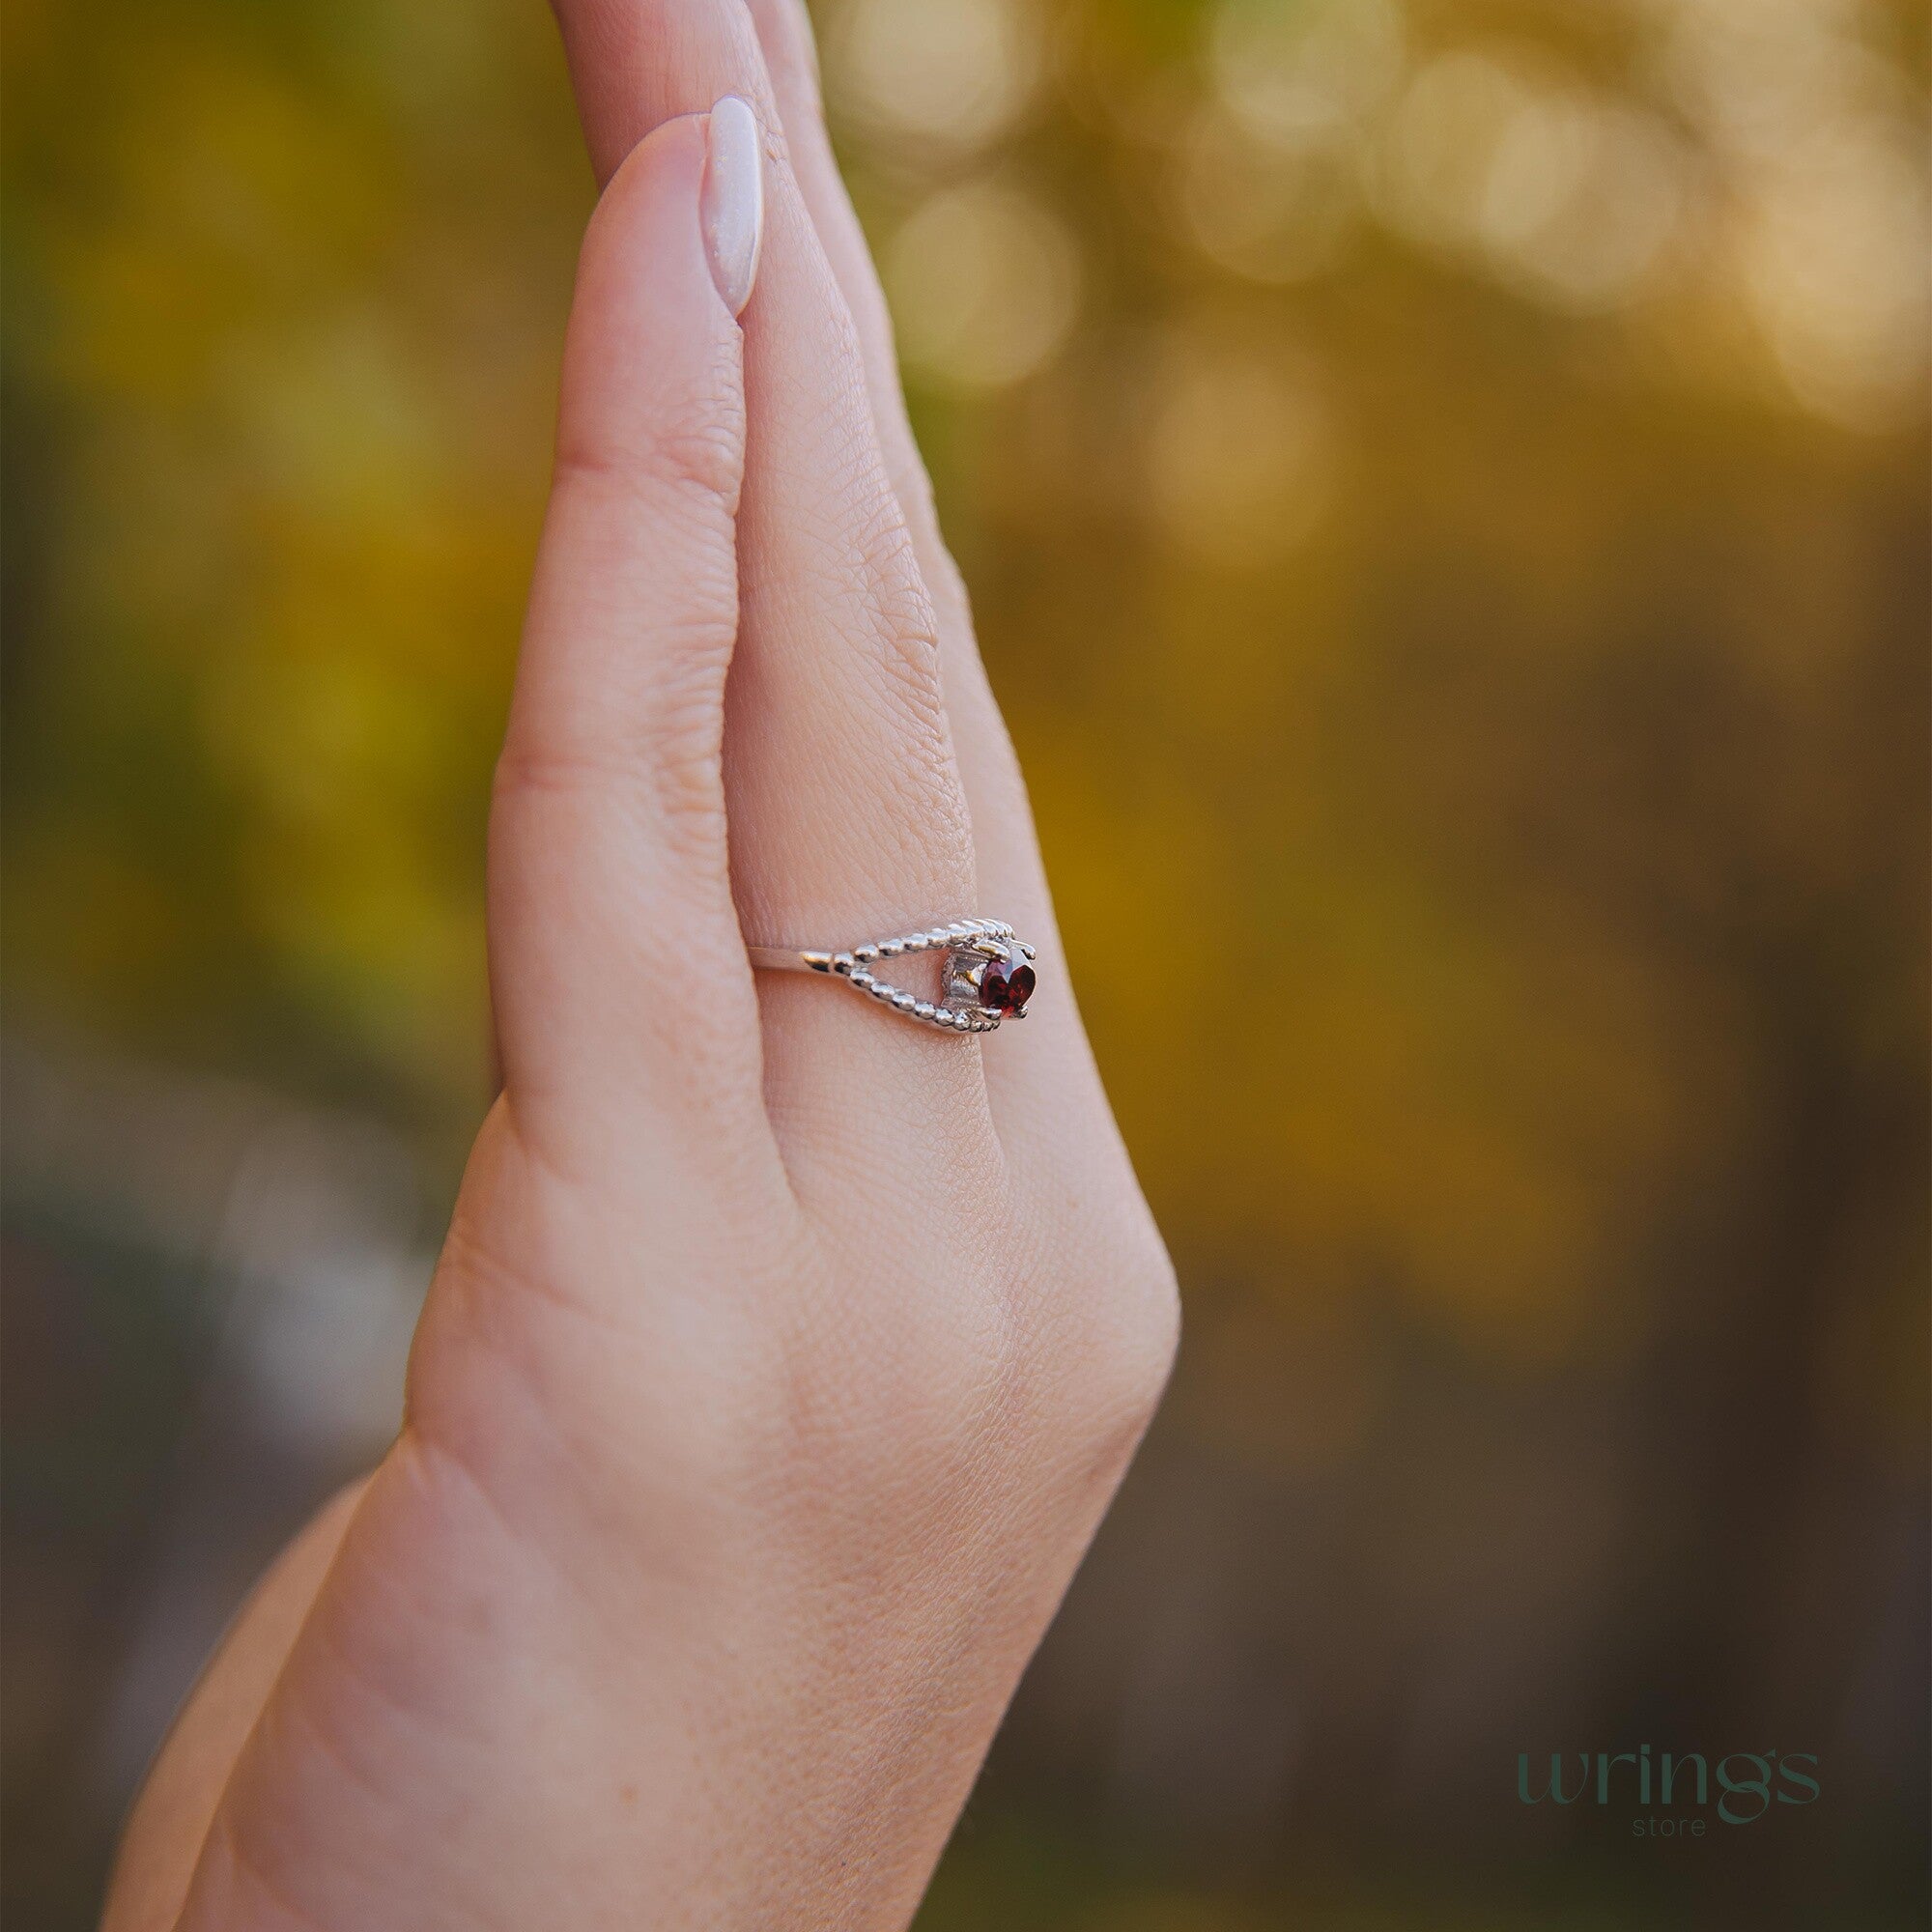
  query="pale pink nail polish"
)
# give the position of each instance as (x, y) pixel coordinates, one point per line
(731, 208)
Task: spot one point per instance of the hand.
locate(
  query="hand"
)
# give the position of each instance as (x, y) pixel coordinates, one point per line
(783, 1354)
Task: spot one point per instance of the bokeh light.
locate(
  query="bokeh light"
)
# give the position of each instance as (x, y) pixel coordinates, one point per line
(984, 282)
(953, 75)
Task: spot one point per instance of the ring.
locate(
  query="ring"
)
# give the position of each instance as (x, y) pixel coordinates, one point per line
(986, 973)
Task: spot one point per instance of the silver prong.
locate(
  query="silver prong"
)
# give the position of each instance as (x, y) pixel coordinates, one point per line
(819, 962)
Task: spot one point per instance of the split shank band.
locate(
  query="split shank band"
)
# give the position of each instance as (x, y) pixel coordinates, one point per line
(986, 973)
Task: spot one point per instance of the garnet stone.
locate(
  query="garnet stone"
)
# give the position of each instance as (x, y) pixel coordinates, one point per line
(1005, 984)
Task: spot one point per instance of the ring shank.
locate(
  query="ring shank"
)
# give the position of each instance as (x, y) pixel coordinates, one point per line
(782, 959)
(958, 956)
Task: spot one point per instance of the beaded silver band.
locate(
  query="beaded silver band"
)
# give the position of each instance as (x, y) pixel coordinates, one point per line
(970, 945)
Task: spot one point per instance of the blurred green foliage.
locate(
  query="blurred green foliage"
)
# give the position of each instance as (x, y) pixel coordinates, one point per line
(1443, 491)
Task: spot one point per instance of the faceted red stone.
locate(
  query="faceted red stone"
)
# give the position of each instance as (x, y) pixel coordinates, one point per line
(1006, 984)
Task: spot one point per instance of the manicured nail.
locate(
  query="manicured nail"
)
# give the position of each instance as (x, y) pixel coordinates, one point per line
(732, 207)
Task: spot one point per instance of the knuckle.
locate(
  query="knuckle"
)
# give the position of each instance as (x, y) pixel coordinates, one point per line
(907, 618)
(680, 742)
(663, 748)
(687, 441)
(534, 771)
(701, 456)
(979, 1386)
(698, 461)
(1126, 1340)
(881, 576)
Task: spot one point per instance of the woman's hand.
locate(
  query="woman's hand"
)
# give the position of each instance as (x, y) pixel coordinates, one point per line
(783, 1354)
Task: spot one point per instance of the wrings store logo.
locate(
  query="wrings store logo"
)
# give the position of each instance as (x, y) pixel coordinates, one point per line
(1749, 1783)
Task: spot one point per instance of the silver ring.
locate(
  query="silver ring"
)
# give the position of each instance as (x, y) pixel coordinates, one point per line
(986, 973)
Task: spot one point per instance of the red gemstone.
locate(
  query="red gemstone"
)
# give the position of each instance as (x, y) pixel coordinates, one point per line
(1005, 984)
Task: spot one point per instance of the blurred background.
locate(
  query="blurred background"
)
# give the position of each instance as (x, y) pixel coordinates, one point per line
(1443, 486)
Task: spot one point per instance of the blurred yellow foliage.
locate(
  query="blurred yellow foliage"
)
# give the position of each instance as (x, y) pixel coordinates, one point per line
(1412, 521)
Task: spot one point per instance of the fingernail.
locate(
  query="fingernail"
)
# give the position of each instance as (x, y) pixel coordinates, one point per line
(731, 208)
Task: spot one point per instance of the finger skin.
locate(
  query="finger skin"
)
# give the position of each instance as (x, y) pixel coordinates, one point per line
(1008, 856)
(618, 970)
